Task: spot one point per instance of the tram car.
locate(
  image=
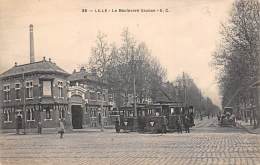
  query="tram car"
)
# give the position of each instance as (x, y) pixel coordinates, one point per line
(227, 117)
(177, 114)
(156, 118)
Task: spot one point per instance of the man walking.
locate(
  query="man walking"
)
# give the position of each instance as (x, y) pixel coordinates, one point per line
(178, 125)
(117, 126)
(62, 128)
(187, 124)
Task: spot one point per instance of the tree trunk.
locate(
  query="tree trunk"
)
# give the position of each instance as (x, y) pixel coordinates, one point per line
(258, 86)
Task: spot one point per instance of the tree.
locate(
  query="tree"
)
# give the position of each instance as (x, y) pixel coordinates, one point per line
(236, 56)
(99, 61)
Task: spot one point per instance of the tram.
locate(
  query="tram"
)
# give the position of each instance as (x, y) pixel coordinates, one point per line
(156, 118)
(228, 117)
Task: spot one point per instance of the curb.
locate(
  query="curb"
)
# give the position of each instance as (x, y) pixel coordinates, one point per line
(246, 129)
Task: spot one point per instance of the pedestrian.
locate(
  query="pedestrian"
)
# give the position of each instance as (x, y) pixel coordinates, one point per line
(164, 125)
(187, 124)
(117, 126)
(191, 120)
(218, 117)
(62, 128)
(39, 127)
(178, 125)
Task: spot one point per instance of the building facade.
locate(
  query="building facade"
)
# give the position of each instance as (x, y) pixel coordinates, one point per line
(89, 100)
(34, 92)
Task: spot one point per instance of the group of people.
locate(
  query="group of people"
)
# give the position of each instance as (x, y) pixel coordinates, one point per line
(19, 125)
(187, 122)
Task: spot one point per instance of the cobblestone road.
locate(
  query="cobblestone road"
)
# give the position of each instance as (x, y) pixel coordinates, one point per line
(227, 147)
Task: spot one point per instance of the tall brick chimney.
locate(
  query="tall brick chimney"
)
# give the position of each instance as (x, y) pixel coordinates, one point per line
(32, 60)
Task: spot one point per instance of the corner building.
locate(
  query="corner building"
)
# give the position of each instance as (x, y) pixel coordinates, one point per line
(36, 92)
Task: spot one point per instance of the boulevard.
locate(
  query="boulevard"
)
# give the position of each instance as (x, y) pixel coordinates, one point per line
(206, 144)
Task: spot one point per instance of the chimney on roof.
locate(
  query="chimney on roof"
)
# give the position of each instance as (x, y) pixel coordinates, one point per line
(15, 64)
(32, 60)
(49, 59)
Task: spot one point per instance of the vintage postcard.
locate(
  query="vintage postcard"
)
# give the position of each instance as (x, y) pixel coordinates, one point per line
(129, 82)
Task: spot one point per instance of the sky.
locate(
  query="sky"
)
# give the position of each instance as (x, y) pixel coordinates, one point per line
(183, 39)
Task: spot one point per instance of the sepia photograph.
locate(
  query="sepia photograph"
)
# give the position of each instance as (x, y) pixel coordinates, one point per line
(128, 82)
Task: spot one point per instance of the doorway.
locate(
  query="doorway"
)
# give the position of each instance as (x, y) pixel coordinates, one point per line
(77, 116)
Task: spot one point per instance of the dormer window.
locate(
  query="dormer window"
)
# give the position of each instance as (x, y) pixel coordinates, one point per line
(46, 88)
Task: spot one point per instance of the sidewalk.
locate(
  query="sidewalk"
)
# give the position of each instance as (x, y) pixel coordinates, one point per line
(249, 128)
(54, 131)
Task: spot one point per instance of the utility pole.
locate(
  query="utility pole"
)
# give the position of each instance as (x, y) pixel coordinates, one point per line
(134, 88)
(200, 105)
(102, 99)
(258, 86)
(185, 90)
(24, 111)
(135, 110)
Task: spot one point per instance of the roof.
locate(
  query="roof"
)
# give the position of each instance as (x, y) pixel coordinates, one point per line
(82, 75)
(162, 95)
(78, 75)
(40, 66)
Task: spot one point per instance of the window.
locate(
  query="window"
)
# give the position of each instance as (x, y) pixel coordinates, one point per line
(104, 97)
(94, 124)
(7, 116)
(17, 92)
(99, 95)
(104, 112)
(30, 114)
(29, 89)
(93, 112)
(92, 96)
(48, 114)
(46, 88)
(110, 97)
(7, 92)
(60, 86)
(172, 110)
(61, 113)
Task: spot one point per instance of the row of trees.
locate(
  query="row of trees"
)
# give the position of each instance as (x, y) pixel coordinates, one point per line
(131, 64)
(183, 88)
(118, 66)
(237, 56)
